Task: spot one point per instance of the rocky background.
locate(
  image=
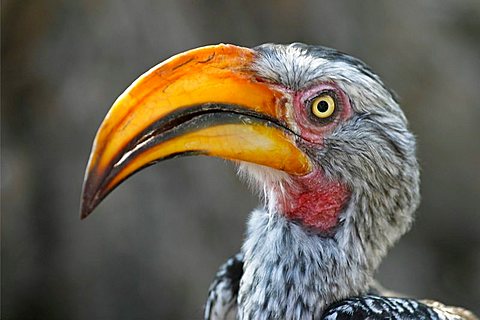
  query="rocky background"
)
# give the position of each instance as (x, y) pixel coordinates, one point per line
(151, 249)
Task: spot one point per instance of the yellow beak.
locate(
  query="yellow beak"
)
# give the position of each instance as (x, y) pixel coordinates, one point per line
(204, 101)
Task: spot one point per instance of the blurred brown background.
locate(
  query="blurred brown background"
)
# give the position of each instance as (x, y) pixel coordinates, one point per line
(151, 249)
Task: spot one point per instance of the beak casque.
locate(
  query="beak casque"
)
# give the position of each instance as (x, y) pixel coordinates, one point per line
(205, 101)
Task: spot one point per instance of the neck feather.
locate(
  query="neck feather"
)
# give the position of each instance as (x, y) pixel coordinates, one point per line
(291, 273)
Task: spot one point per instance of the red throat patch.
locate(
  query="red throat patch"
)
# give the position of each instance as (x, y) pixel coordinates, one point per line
(315, 201)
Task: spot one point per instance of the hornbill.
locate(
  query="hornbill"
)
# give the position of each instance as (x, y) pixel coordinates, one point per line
(321, 138)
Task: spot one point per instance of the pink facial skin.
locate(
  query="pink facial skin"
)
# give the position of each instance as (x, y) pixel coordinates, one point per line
(314, 200)
(311, 128)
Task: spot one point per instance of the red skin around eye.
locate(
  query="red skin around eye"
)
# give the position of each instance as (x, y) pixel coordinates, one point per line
(313, 200)
(310, 130)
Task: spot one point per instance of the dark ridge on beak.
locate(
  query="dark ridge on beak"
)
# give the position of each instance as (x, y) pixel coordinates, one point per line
(177, 123)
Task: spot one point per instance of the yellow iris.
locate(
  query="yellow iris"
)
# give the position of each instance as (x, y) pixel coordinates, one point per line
(323, 106)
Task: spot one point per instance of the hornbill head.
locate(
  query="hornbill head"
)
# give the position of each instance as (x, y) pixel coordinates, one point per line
(314, 129)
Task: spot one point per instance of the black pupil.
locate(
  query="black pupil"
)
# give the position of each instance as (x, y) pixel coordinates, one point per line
(322, 106)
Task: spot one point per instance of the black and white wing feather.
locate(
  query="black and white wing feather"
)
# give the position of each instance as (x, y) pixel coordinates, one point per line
(377, 307)
(223, 292)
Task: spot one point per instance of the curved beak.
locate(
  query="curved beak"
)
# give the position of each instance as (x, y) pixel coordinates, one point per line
(205, 101)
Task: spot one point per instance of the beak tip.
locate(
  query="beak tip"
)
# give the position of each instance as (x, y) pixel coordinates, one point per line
(89, 199)
(86, 207)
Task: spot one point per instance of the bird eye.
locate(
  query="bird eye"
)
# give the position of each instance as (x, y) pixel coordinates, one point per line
(323, 106)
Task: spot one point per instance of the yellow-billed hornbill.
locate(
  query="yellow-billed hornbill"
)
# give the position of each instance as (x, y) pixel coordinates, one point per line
(324, 141)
